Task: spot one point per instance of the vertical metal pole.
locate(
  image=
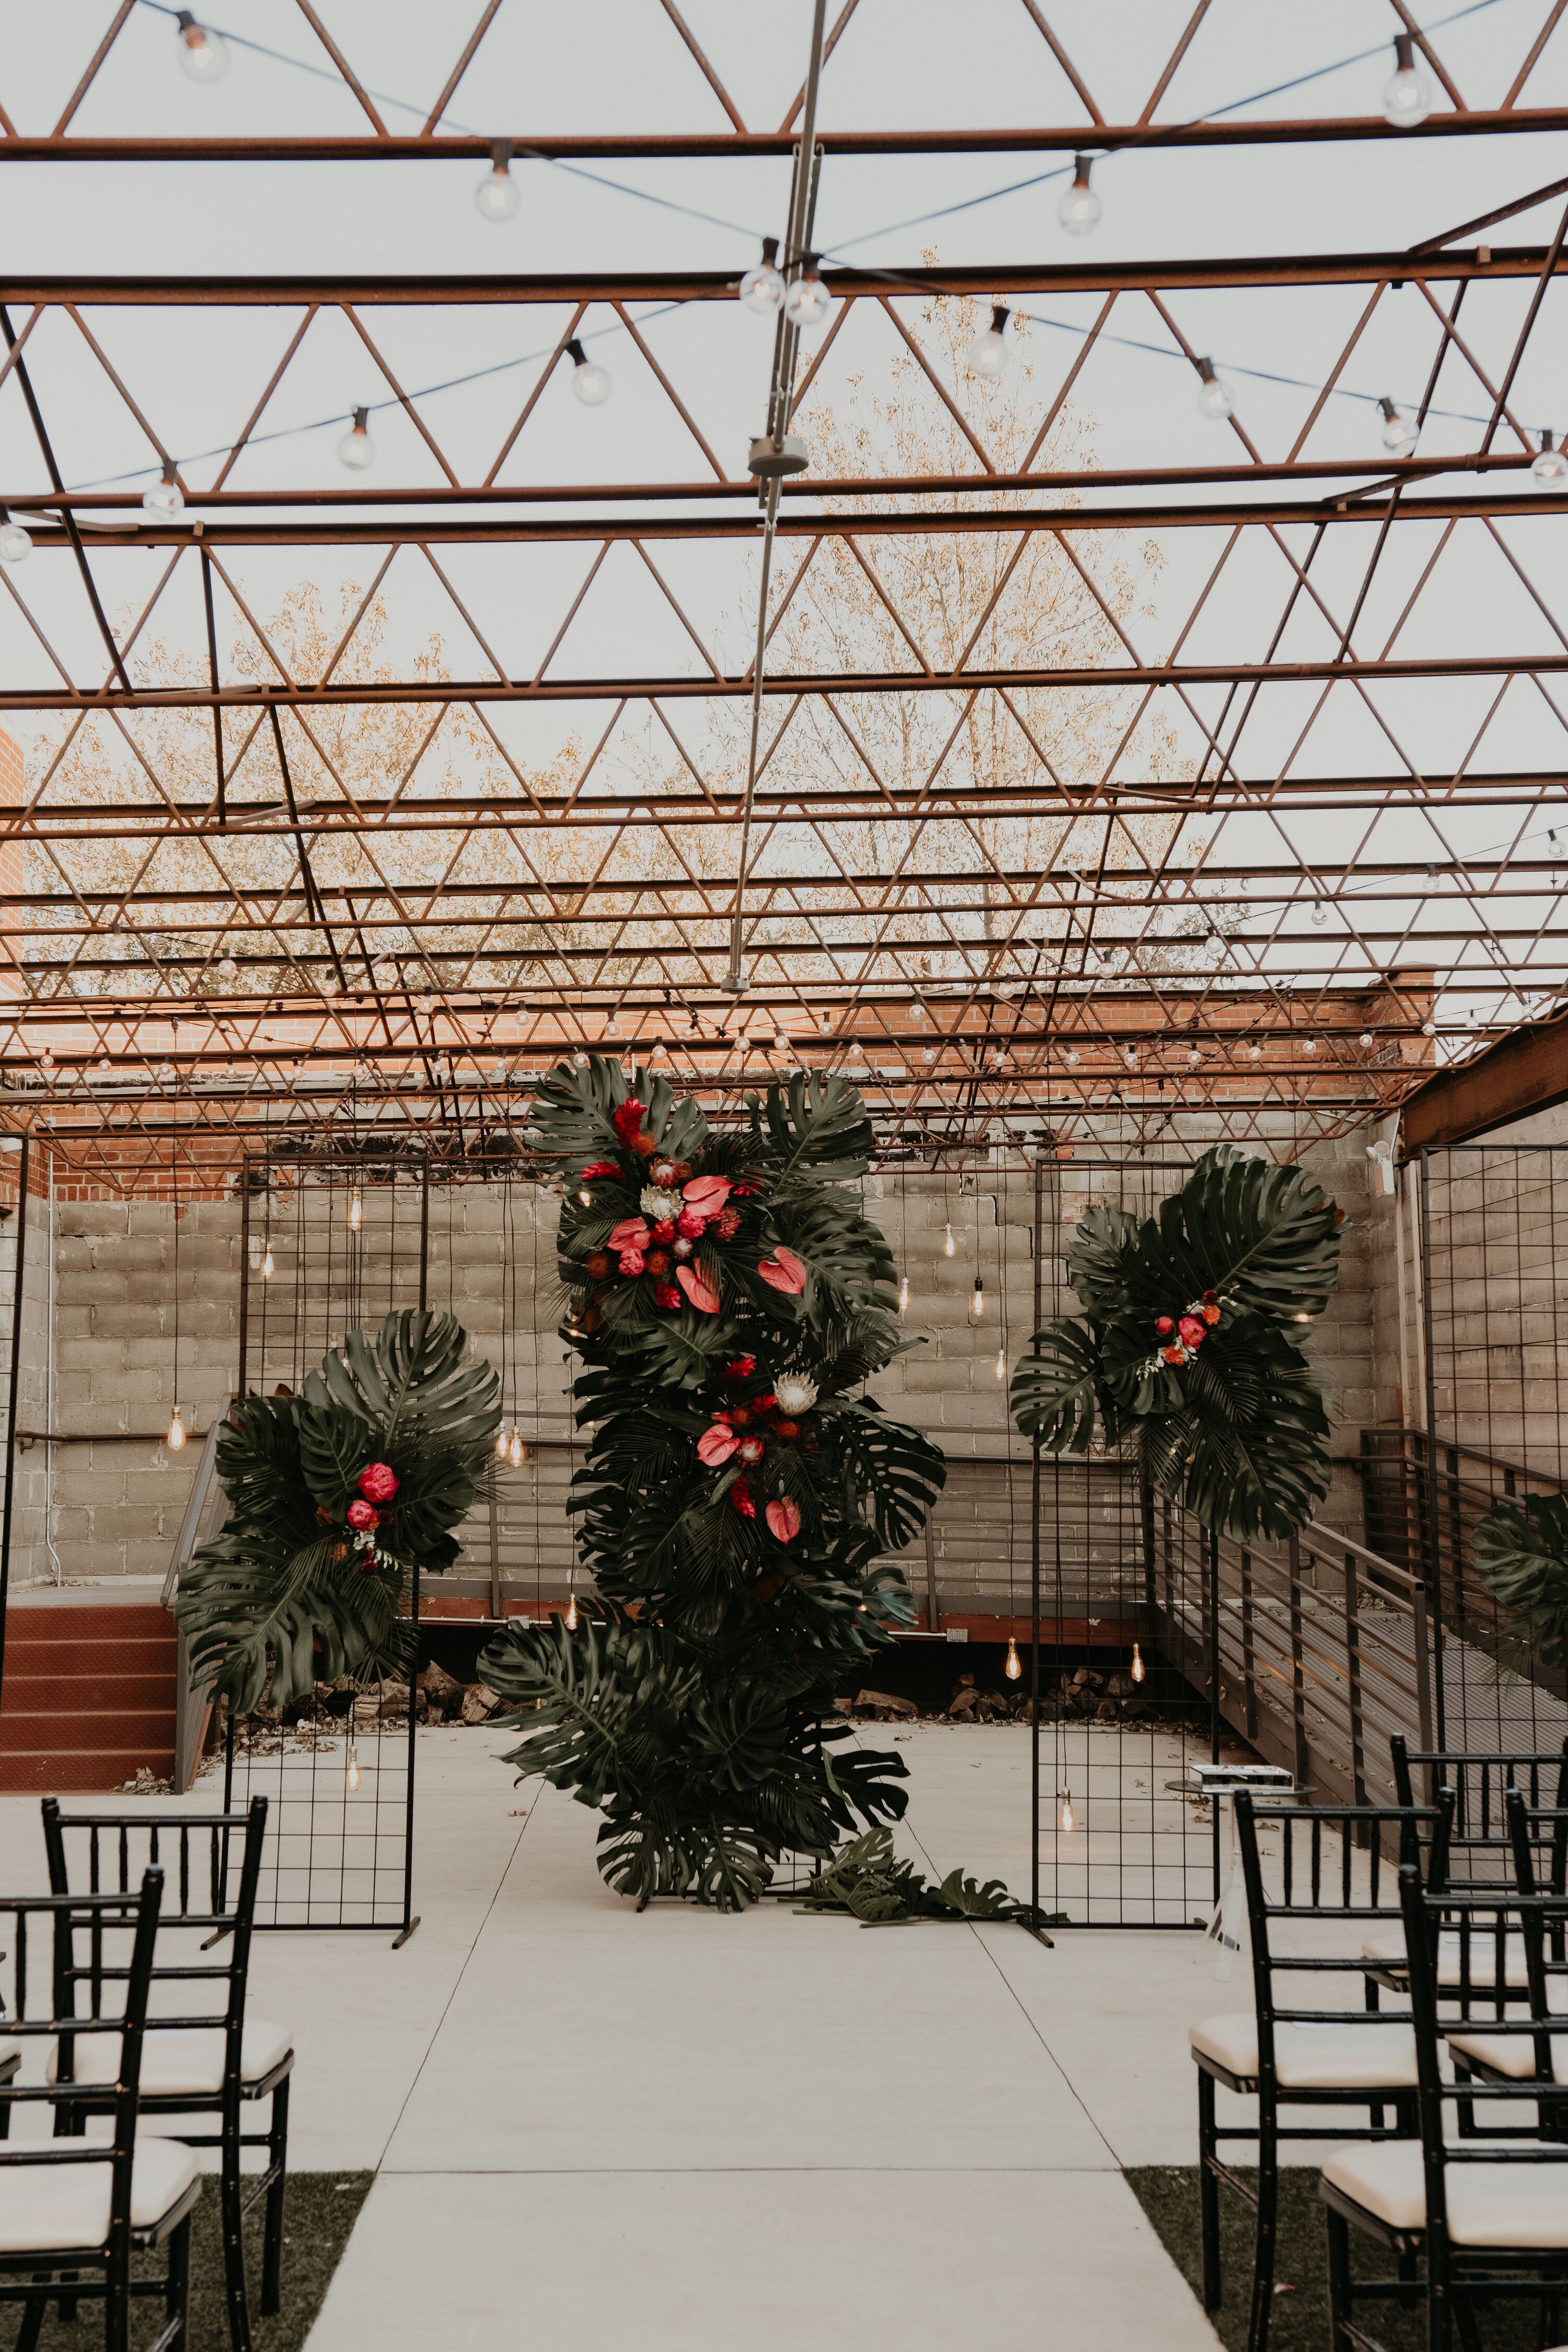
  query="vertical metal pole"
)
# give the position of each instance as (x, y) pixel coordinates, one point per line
(1436, 1576)
(1035, 1582)
(239, 1387)
(11, 1401)
(1298, 1665)
(1210, 1538)
(497, 1610)
(933, 1613)
(409, 1920)
(1353, 1673)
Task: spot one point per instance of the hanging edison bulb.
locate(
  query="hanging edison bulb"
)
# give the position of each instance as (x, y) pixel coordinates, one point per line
(1138, 1666)
(1067, 1817)
(949, 1244)
(177, 1436)
(356, 1209)
(1000, 1366)
(501, 1445)
(571, 1612)
(514, 1451)
(268, 1264)
(978, 1300)
(903, 1294)
(351, 1778)
(1014, 1666)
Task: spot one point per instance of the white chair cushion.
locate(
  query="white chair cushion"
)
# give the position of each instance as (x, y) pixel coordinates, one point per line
(1314, 2057)
(1511, 2053)
(9, 2048)
(177, 2064)
(1390, 1947)
(1488, 2204)
(43, 2206)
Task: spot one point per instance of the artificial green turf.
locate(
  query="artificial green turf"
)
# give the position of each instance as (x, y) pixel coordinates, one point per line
(1169, 2195)
(318, 2212)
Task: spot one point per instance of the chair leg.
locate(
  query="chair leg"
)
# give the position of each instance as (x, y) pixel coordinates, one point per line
(177, 2286)
(1267, 2231)
(33, 2312)
(229, 2189)
(1369, 1997)
(1208, 2192)
(272, 2241)
(117, 2301)
(1338, 2276)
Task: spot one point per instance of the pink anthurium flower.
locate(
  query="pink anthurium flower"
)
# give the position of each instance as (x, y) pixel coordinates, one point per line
(630, 1233)
(783, 1518)
(784, 1270)
(706, 1194)
(716, 1445)
(699, 1289)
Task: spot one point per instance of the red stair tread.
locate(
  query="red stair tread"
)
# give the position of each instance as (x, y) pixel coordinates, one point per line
(64, 1735)
(134, 1621)
(45, 1694)
(91, 1771)
(88, 1696)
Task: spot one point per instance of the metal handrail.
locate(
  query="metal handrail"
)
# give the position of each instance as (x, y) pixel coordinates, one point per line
(191, 1708)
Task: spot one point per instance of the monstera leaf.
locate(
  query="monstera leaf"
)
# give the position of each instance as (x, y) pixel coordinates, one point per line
(1245, 1449)
(896, 1471)
(260, 1628)
(412, 1386)
(1263, 1236)
(1521, 1550)
(1055, 1387)
(815, 1132)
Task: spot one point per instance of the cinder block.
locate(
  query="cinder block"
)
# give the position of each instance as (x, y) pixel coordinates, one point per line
(97, 1357)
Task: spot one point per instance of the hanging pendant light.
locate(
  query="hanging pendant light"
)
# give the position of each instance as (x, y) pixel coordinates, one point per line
(1000, 1366)
(1014, 1666)
(515, 1450)
(1067, 1819)
(175, 1436)
(268, 1264)
(1138, 1666)
(356, 1209)
(501, 1445)
(977, 1301)
(571, 1612)
(949, 1244)
(352, 1777)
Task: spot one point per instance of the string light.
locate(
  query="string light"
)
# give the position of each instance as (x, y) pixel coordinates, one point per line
(1399, 433)
(808, 301)
(590, 382)
(356, 1209)
(571, 1612)
(1408, 97)
(978, 1300)
(165, 499)
(1077, 206)
(516, 1449)
(949, 1244)
(1215, 398)
(1000, 1366)
(15, 544)
(762, 289)
(176, 1433)
(203, 54)
(1319, 914)
(1066, 1817)
(352, 1777)
(903, 1294)
(1138, 1666)
(1547, 466)
(586, 1196)
(1014, 1665)
(497, 197)
(501, 1445)
(356, 450)
(268, 1264)
(987, 354)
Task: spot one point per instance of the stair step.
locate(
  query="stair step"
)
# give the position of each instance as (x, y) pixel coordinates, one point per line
(59, 1694)
(43, 1772)
(53, 1621)
(89, 1658)
(67, 1734)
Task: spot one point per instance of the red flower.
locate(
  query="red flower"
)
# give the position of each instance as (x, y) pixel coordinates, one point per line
(362, 1516)
(1211, 1298)
(690, 1224)
(786, 1429)
(699, 1289)
(706, 1195)
(752, 1450)
(783, 1518)
(727, 1224)
(784, 1270)
(665, 1294)
(632, 1263)
(769, 1403)
(657, 1262)
(1191, 1329)
(1163, 1324)
(664, 1229)
(741, 1368)
(598, 1266)
(599, 1168)
(378, 1482)
(741, 1417)
(716, 1445)
(628, 1119)
(722, 1412)
(741, 1496)
(1172, 1355)
(1211, 1315)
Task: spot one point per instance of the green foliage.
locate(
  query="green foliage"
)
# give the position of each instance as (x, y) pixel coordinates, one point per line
(289, 1593)
(1236, 1430)
(869, 1881)
(693, 1705)
(1521, 1550)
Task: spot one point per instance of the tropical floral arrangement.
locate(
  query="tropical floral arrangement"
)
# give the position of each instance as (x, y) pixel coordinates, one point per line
(1520, 1552)
(1189, 1351)
(729, 1298)
(335, 1497)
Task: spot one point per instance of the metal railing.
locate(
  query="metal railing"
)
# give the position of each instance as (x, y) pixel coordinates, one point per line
(206, 1508)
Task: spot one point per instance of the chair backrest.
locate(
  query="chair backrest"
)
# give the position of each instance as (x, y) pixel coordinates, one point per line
(1480, 1851)
(216, 1861)
(65, 1918)
(1331, 1867)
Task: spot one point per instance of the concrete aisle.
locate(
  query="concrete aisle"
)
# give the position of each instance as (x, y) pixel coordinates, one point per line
(606, 2130)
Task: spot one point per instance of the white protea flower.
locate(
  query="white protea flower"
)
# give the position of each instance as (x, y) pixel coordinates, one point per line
(655, 1203)
(795, 1393)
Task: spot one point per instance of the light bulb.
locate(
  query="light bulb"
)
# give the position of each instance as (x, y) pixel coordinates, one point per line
(977, 1301)
(948, 1244)
(807, 300)
(590, 383)
(1408, 99)
(1014, 1665)
(1138, 1667)
(165, 499)
(176, 1436)
(1000, 1366)
(987, 354)
(356, 1211)
(904, 1295)
(514, 1451)
(356, 450)
(1319, 914)
(500, 1445)
(1308, 1044)
(1366, 1037)
(15, 544)
(1067, 1817)
(351, 1778)
(268, 1264)
(572, 1613)
(1072, 1057)
(1077, 206)
(762, 289)
(497, 197)
(1214, 397)
(1193, 1057)
(203, 54)
(1547, 468)
(1255, 1052)
(586, 1197)
(1399, 433)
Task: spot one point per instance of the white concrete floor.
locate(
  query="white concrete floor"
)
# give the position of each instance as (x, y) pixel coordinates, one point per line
(600, 2129)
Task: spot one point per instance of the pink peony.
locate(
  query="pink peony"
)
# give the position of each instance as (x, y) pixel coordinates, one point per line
(784, 1270)
(783, 1518)
(716, 1445)
(690, 1224)
(378, 1482)
(752, 1450)
(1191, 1329)
(706, 1195)
(360, 1513)
(700, 1292)
(630, 1233)
(631, 1263)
